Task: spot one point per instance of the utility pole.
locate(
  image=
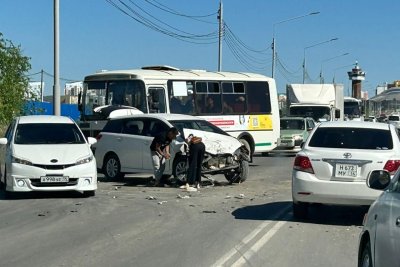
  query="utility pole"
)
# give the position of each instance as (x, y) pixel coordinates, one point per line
(41, 85)
(221, 26)
(56, 86)
(273, 55)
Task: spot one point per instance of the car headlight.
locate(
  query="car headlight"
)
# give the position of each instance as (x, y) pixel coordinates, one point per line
(84, 160)
(21, 161)
(298, 137)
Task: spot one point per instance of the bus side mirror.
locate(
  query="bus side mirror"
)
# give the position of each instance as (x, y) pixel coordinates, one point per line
(337, 113)
(80, 101)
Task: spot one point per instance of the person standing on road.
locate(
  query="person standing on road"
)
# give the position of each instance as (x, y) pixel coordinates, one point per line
(160, 153)
(196, 157)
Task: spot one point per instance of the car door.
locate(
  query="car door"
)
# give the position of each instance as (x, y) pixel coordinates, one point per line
(131, 145)
(387, 216)
(153, 127)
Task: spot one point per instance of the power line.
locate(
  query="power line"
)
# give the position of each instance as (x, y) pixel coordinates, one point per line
(242, 43)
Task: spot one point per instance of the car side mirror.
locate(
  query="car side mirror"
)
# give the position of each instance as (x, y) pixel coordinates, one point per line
(302, 145)
(92, 141)
(3, 141)
(337, 113)
(378, 180)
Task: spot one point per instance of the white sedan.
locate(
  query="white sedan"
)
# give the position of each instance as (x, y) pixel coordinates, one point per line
(380, 238)
(46, 153)
(335, 161)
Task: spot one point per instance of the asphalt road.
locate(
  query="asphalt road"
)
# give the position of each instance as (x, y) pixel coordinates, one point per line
(248, 224)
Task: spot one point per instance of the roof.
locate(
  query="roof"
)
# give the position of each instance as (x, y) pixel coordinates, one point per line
(44, 119)
(389, 94)
(166, 73)
(164, 116)
(355, 124)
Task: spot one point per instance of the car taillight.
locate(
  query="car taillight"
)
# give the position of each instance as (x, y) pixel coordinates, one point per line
(392, 166)
(98, 137)
(303, 163)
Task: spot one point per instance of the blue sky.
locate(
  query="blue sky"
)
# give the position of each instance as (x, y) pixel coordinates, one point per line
(94, 35)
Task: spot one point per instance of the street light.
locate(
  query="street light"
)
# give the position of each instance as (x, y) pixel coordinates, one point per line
(307, 47)
(326, 60)
(273, 46)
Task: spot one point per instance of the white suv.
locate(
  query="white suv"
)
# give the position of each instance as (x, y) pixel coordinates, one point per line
(123, 146)
(335, 161)
(46, 153)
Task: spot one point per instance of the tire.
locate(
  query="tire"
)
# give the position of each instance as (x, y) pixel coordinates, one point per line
(366, 256)
(240, 175)
(300, 210)
(90, 193)
(112, 167)
(247, 145)
(180, 169)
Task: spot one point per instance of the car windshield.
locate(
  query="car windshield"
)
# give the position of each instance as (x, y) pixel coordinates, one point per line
(352, 138)
(200, 125)
(48, 133)
(292, 124)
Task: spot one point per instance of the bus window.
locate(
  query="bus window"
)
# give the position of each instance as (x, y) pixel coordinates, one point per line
(208, 98)
(181, 101)
(258, 97)
(156, 100)
(234, 98)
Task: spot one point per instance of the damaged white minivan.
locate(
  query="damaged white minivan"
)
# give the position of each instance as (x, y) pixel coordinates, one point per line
(123, 147)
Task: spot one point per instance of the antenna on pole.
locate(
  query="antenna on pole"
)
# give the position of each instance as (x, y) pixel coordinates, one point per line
(220, 35)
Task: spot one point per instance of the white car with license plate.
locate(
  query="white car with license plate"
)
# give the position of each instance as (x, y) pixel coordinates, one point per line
(46, 153)
(123, 147)
(379, 243)
(335, 161)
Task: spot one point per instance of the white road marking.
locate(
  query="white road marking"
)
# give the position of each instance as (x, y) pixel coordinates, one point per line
(227, 256)
(259, 244)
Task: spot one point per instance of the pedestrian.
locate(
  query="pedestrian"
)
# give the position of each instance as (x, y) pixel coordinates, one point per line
(196, 157)
(160, 153)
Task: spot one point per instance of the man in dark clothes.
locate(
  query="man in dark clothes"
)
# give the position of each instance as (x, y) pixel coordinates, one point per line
(196, 157)
(160, 152)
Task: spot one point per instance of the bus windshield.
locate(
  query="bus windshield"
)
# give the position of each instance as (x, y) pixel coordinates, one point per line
(123, 93)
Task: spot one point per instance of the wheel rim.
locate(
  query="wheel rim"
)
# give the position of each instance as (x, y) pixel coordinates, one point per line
(366, 260)
(180, 170)
(112, 167)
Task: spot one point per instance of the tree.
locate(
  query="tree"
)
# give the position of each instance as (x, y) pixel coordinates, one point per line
(13, 80)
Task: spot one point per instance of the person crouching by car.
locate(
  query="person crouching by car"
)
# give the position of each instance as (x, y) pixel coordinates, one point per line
(196, 157)
(160, 153)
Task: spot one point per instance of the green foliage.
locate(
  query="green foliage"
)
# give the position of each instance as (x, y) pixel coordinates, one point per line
(13, 80)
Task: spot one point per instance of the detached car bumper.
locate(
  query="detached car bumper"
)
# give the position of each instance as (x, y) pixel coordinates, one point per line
(307, 188)
(24, 178)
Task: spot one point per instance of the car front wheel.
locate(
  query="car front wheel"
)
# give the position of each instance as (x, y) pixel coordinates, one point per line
(112, 167)
(240, 174)
(366, 259)
(180, 169)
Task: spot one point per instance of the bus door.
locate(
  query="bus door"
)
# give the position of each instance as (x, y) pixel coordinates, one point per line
(156, 100)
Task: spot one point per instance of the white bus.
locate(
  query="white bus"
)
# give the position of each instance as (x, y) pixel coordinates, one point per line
(352, 109)
(243, 104)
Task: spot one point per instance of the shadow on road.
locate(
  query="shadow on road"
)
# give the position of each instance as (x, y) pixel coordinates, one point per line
(42, 195)
(318, 214)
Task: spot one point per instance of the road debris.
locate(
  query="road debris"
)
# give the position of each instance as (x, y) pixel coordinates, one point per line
(240, 196)
(182, 197)
(151, 198)
(162, 202)
(209, 211)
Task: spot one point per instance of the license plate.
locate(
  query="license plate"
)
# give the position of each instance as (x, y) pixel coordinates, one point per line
(347, 171)
(54, 179)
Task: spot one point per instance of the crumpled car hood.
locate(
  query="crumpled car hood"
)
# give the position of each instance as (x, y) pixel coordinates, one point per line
(215, 143)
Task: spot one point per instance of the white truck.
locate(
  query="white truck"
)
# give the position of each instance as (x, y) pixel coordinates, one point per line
(322, 102)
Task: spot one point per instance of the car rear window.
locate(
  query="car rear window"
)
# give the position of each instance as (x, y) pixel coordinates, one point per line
(48, 133)
(394, 118)
(352, 138)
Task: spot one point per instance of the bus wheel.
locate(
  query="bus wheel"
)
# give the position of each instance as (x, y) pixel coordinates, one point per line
(247, 146)
(180, 169)
(239, 175)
